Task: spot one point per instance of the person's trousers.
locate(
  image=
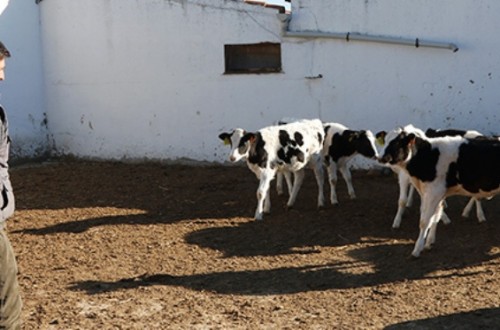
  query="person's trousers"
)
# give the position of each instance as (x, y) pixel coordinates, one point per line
(10, 297)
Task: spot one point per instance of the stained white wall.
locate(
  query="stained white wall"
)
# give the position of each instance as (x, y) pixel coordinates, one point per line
(127, 79)
(22, 93)
(379, 86)
(144, 79)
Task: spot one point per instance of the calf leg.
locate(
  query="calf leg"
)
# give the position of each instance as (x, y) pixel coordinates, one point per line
(468, 208)
(262, 192)
(289, 182)
(404, 184)
(444, 217)
(411, 193)
(346, 174)
(267, 202)
(320, 180)
(431, 202)
(279, 183)
(431, 238)
(332, 180)
(479, 211)
(297, 183)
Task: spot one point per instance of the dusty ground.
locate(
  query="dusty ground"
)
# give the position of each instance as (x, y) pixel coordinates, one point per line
(152, 246)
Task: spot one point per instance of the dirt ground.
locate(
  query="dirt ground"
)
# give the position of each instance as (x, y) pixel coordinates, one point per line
(156, 246)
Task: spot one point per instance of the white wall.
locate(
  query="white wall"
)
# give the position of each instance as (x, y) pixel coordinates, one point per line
(129, 79)
(22, 93)
(379, 86)
(144, 79)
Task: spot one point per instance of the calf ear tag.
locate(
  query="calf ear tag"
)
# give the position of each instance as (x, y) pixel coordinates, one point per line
(380, 141)
(227, 141)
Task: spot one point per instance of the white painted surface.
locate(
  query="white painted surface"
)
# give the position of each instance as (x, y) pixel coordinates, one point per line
(127, 79)
(22, 93)
(3, 5)
(382, 85)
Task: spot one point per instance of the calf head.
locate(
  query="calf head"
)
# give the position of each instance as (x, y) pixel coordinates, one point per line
(364, 143)
(398, 147)
(240, 142)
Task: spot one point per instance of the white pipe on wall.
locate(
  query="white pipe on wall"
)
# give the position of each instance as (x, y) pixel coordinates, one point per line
(285, 19)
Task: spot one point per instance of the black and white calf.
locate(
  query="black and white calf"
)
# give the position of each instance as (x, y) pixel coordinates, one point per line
(470, 134)
(340, 146)
(290, 147)
(441, 167)
(406, 190)
(284, 174)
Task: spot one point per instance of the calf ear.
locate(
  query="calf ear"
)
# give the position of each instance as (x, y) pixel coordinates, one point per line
(411, 139)
(380, 137)
(250, 137)
(226, 137)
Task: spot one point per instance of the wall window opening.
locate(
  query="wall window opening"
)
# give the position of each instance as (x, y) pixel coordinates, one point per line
(253, 58)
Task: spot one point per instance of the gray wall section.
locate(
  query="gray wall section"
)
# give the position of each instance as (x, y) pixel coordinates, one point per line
(22, 92)
(126, 79)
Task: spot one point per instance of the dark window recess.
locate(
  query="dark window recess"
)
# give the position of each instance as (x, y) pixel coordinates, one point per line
(253, 58)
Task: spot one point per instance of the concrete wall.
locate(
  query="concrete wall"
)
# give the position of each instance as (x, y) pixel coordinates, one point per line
(145, 79)
(127, 79)
(22, 93)
(379, 86)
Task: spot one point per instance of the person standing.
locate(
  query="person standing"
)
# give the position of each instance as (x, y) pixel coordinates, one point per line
(10, 297)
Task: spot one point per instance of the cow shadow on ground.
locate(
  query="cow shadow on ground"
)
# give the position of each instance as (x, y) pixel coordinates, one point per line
(487, 318)
(161, 194)
(302, 232)
(190, 194)
(169, 194)
(387, 261)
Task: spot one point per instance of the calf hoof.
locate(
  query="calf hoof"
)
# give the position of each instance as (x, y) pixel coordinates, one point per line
(412, 257)
(259, 217)
(415, 254)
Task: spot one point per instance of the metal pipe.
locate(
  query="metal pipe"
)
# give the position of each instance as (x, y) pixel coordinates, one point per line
(285, 19)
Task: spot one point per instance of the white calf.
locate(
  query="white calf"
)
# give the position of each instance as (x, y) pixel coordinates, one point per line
(442, 167)
(406, 190)
(340, 146)
(281, 148)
